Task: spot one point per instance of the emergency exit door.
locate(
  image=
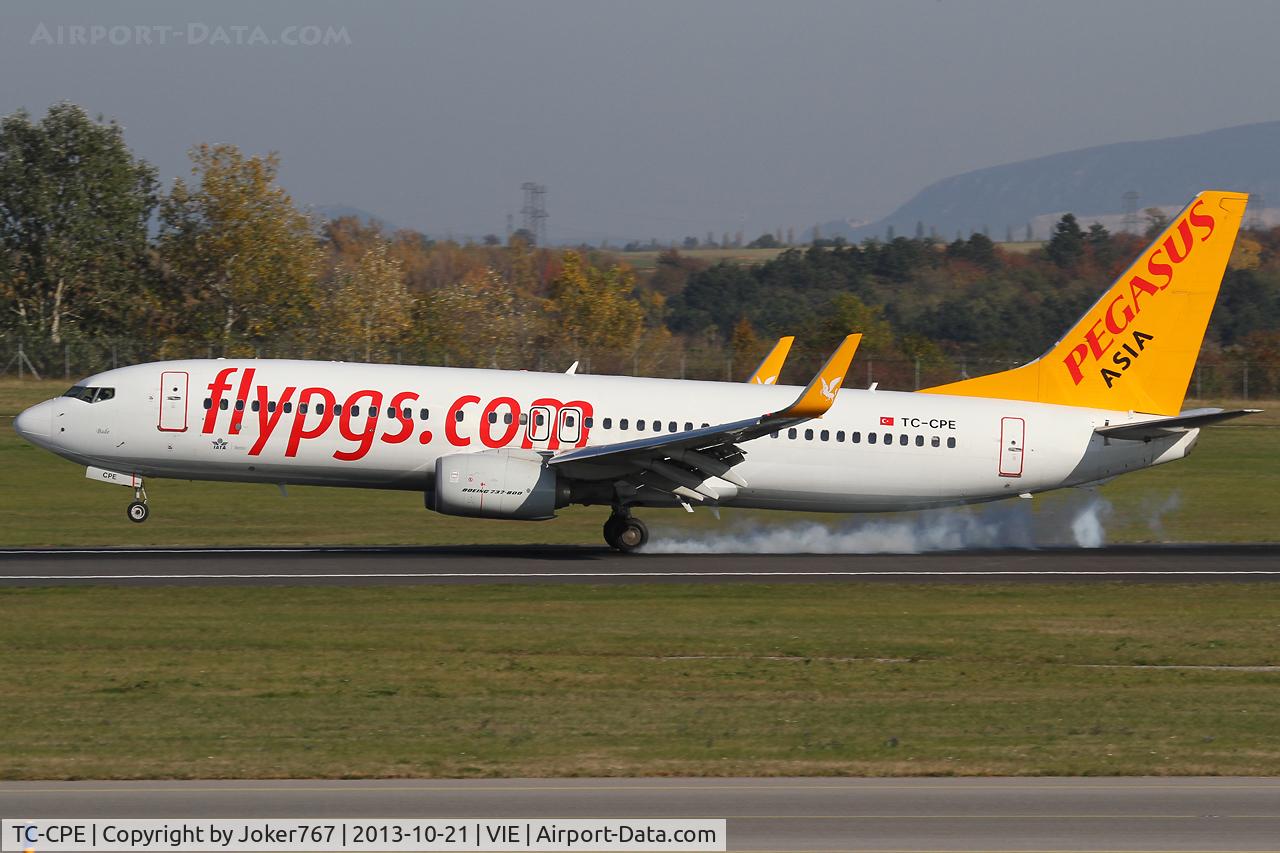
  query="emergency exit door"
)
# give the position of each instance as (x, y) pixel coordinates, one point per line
(1012, 437)
(173, 401)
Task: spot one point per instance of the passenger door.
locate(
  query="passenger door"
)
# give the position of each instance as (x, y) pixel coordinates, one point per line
(173, 401)
(1012, 438)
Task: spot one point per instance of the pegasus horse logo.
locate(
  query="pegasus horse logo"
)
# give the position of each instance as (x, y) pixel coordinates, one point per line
(767, 380)
(829, 388)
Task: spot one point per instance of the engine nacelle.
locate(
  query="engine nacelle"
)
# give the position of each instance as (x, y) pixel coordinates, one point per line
(515, 484)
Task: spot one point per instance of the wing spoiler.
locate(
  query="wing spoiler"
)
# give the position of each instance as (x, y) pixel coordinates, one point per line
(1164, 427)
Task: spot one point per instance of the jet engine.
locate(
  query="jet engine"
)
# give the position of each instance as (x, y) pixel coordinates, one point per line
(497, 484)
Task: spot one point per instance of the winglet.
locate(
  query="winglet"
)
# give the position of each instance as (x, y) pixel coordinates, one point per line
(769, 370)
(820, 393)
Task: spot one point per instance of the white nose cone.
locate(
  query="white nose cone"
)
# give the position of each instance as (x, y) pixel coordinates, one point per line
(36, 423)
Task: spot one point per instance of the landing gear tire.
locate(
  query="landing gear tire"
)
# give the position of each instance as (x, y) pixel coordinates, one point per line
(138, 512)
(625, 533)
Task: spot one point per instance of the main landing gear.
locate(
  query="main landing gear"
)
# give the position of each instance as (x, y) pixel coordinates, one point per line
(625, 533)
(138, 510)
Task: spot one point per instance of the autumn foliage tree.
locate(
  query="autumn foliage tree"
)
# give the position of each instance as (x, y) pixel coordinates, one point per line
(595, 310)
(371, 310)
(243, 259)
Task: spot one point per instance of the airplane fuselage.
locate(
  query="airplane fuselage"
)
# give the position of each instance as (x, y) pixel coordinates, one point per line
(304, 422)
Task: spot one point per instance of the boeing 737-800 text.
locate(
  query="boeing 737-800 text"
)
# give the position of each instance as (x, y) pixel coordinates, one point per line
(1105, 400)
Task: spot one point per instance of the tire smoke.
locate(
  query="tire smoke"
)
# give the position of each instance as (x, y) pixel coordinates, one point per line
(1077, 520)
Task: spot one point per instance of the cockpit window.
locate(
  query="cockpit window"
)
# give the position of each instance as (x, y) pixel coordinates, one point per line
(90, 395)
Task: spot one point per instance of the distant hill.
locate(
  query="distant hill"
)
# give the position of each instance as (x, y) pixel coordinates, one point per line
(1089, 182)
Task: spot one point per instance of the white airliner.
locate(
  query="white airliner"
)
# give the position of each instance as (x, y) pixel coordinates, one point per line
(1105, 400)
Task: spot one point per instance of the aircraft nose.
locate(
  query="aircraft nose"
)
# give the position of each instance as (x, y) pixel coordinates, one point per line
(36, 423)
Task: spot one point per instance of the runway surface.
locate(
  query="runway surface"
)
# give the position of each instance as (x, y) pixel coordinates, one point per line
(547, 564)
(1023, 814)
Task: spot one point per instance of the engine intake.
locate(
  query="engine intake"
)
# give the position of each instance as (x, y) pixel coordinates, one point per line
(497, 484)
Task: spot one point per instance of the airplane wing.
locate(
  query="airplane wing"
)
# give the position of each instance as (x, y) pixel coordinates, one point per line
(681, 462)
(771, 368)
(1164, 427)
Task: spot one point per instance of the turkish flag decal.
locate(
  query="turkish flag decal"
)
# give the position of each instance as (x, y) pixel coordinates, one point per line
(886, 422)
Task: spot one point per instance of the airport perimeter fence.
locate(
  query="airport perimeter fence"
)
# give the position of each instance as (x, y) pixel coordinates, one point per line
(1216, 376)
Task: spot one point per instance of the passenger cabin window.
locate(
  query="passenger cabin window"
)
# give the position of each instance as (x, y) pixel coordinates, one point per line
(825, 435)
(208, 404)
(856, 437)
(687, 426)
(808, 435)
(791, 433)
(288, 407)
(840, 435)
(888, 438)
(671, 427)
(935, 441)
(951, 442)
(657, 426)
(254, 405)
(586, 422)
(223, 404)
(903, 439)
(871, 438)
(608, 423)
(423, 414)
(919, 441)
(239, 405)
(640, 425)
(622, 424)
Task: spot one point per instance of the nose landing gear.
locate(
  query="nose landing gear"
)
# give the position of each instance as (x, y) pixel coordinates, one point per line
(625, 533)
(138, 511)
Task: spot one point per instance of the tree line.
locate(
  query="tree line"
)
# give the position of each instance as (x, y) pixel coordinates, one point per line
(223, 262)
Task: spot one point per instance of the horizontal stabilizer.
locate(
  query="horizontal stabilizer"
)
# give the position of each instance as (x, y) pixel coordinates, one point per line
(1164, 427)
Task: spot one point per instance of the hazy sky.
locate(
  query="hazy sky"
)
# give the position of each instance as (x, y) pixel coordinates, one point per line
(643, 119)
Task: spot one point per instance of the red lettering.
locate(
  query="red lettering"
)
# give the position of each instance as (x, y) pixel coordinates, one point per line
(406, 423)
(267, 420)
(1201, 220)
(1156, 269)
(216, 389)
(451, 420)
(1184, 231)
(513, 411)
(1137, 285)
(299, 430)
(1113, 326)
(1095, 345)
(1073, 361)
(242, 399)
(363, 438)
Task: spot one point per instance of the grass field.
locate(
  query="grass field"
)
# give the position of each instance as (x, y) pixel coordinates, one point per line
(1224, 492)
(639, 680)
(648, 260)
